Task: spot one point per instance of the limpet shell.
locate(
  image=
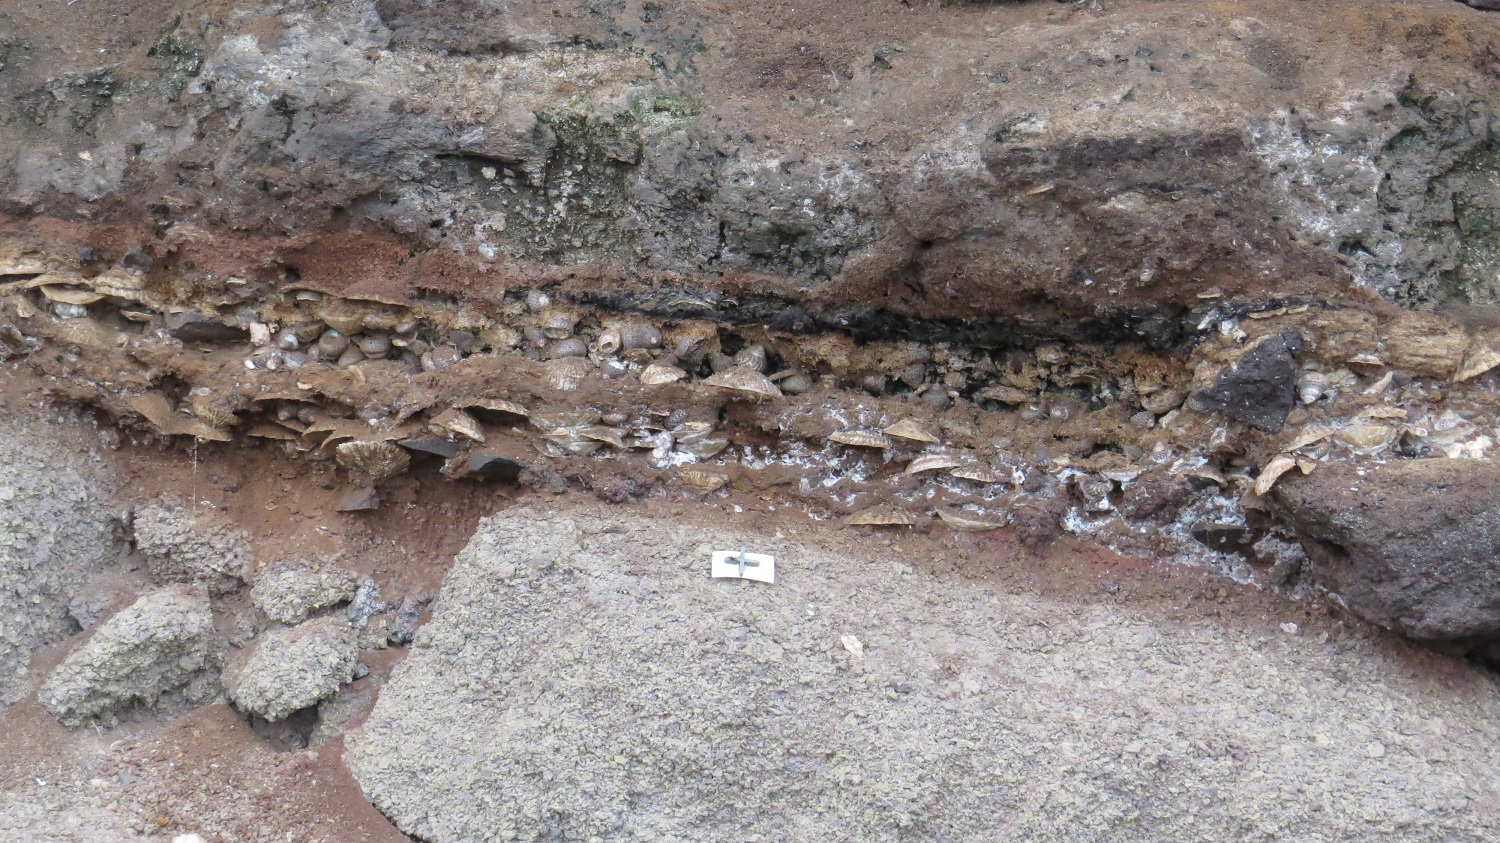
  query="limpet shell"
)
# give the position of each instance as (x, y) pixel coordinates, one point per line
(454, 421)
(379, 460)
(607, 435)
(960, 520)
(861, 439)
(739, 379)
(1479, 360)
(1272, 472)
(912, 430)
(977, 473)
(485, 406)
(881, 516)
(658, 373)
(932, 462)
(70, 295)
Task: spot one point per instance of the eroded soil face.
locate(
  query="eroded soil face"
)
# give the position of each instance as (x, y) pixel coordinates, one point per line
(1051, 298)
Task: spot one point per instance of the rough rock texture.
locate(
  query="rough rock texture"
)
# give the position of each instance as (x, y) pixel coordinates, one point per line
(191, 547)
(291, 669)
(1093, 165)
(162, 643)
(1261, 388)
(290, 591)
(1412, 545)
(54, 531)
(582, 678)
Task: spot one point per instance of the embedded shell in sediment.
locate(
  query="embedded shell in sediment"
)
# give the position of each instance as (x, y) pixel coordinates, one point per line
(1480, 359)
(881, 516)
(601, 433)
(566, 374)
(379, 460)
(960, 520)
(861, 439)
(912, 431)
(977, 473)
(932, 462)
(1272, 472)
(661, 373)
(456, 422)
(745, 381)
(70, 295)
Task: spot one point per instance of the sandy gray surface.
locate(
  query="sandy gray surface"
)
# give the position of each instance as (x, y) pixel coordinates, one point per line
(583, 679)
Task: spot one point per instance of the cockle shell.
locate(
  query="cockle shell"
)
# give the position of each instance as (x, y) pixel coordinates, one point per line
(566, 374)
(861, 439)
(379, 460)
(499, 407)
(912, 430)
(746, 381)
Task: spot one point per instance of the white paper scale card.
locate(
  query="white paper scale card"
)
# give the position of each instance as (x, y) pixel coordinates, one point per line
(739, 565)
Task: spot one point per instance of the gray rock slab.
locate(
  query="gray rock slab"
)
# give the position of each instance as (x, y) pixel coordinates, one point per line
(583, 678)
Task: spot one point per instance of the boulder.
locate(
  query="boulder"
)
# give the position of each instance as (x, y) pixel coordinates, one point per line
(162, 643)
(293, 668)
(291, 591)
(1411, 545)
(54, 533)
(191, 547)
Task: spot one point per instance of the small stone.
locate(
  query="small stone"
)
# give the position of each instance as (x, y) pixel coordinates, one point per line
(359, 499)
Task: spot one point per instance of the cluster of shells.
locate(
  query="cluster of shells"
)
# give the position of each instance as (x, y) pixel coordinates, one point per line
(889, 433)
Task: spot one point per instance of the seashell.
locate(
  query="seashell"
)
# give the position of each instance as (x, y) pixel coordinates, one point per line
(1384, 413)
(861, 439)
(1163, 401)
(351, 355)
(566, 374)
(1003, 394)
(379, 460)
(158, 410)
(936, 397)
(375, 346)
(558, 326)
(454, 421)
(693, 341)
(960, 520)
(977, 473)
(536, 300)
(744, 381)
(342, 316)
(931, 462)
(1272, 472)
(1366, 437)
(752, 357)
(881, 516)
(702, 482)
(609, 342)
(720, 362)
(500, 337)
(117, 282)
(1309, 435)
(640, 336)
(214, 412)
(660, 373)
(496, 410)
(70, 295)
(260, 334)
(571, 347)
(62, 310)
(796, 384)
(571, 441)
(1480, 359)
(1365, 359)
(607, 435)
(912, 430)
(697, 438)
(1311, 386)
(1381, 385)
(535, 337)
(271, 430)
(614, 368)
